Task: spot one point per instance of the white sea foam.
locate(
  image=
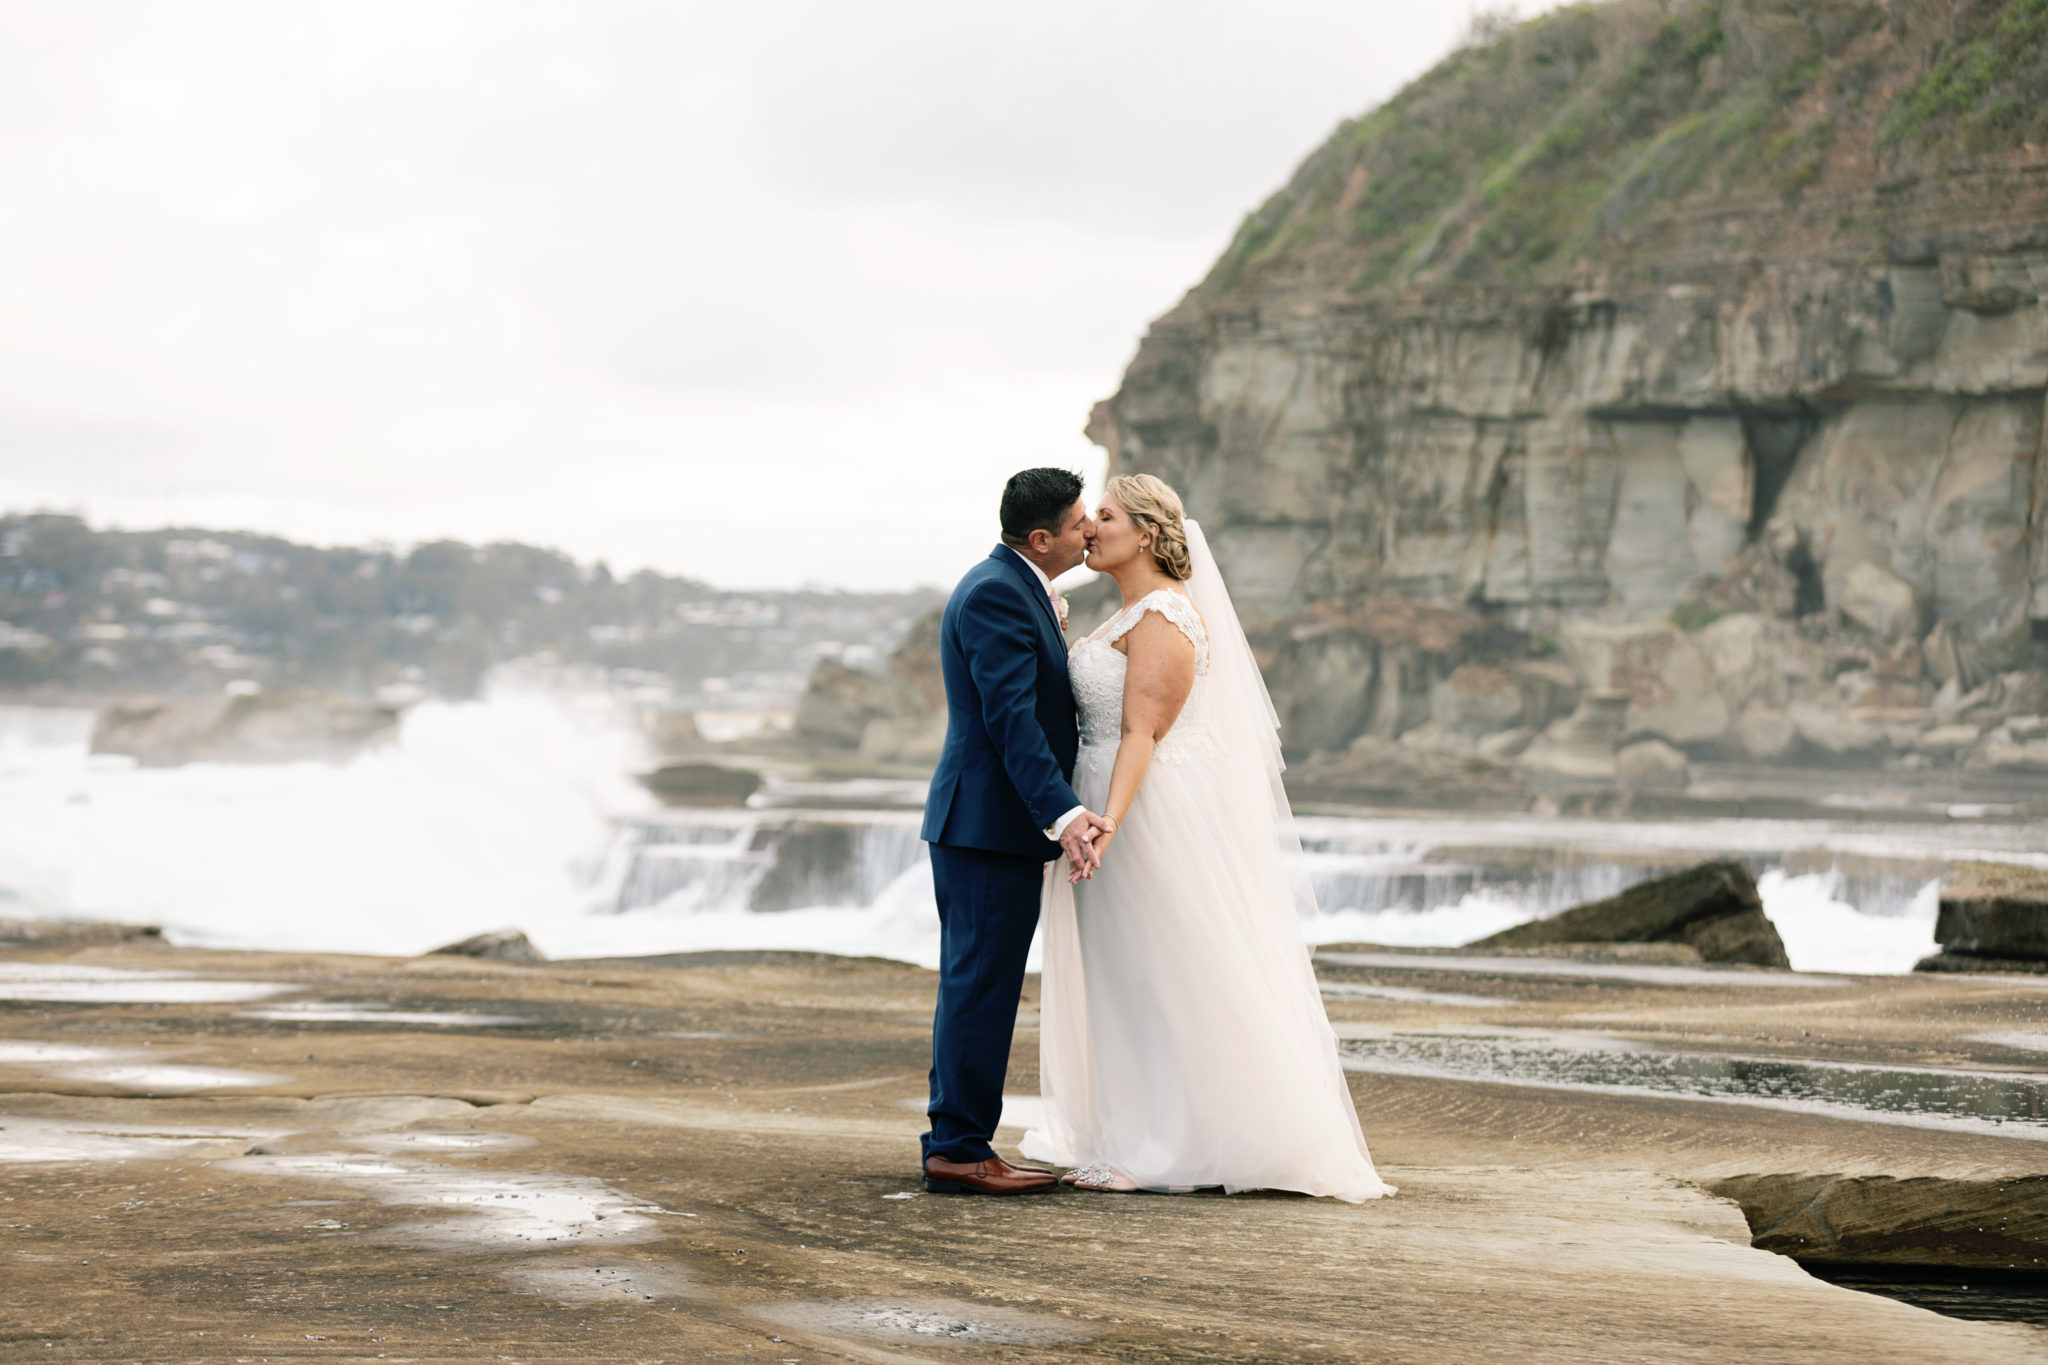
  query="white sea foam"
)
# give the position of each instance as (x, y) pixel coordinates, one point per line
(1824, 933)
(470, 822)
(481, 815)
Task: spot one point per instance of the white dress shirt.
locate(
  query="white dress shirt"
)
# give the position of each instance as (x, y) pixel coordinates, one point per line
(1059, 826)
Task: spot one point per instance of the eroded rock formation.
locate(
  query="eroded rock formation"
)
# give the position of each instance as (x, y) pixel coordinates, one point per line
(1700, 348)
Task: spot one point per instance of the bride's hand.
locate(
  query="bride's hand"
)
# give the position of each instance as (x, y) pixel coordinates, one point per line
(1098, 844)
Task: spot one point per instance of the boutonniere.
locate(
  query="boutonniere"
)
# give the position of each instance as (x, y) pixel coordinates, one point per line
(1059, 603)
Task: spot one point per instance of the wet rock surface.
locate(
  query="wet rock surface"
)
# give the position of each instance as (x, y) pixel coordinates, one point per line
(251, 727)
(702, 784)
(710, 1159)
(1872, 1220)
(1992, 912)
(500, 945)
(64, 933)
(1714, 908)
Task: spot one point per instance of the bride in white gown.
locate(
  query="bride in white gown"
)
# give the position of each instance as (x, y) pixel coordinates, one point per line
(1183, 1042)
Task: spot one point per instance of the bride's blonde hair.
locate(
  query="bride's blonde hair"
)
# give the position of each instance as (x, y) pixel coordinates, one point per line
(1155, 509)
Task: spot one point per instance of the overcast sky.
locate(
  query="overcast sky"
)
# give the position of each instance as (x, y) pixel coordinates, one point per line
(760, 292)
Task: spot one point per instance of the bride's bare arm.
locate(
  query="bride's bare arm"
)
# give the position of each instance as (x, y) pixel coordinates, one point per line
(1157, 680)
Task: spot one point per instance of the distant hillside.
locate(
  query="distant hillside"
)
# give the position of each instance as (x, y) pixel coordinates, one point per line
(85, 611)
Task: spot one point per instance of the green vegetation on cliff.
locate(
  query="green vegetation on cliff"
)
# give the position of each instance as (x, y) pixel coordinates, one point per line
(1540, 145)
(1987, 87)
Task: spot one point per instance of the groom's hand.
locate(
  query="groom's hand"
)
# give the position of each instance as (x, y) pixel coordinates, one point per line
(1101, 845)
(1077, 841)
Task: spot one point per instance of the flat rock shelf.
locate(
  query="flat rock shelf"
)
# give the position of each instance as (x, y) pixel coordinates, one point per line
(711, 1157)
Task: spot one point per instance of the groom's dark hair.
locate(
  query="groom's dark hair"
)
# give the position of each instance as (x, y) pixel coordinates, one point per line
(1037, 500)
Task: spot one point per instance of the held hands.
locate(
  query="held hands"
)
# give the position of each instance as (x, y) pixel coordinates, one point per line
(1084, 840)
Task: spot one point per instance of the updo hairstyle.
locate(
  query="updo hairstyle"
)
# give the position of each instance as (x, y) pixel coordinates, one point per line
(1154, 508)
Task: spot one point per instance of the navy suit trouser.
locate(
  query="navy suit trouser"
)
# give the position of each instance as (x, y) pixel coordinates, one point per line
(988, 910)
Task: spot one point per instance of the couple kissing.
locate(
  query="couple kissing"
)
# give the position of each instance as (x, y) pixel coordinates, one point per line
(1183, 1042)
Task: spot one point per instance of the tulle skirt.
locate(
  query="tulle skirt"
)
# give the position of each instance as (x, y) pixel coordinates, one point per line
(1182, 1035)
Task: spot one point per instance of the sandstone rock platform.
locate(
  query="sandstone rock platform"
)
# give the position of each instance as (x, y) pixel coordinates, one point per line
(711, 1157)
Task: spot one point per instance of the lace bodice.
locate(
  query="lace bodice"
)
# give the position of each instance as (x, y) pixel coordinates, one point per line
(1097, 670)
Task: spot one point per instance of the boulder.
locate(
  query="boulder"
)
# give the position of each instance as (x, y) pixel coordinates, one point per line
(243, 727)
(1835, 732)
(1549, 689)
(1713, 907)
(674, 733)
(1670, 685)
(1435, 735)
(1757, 658)
(1650, 765)
(2002, 750)
(839, 702)
(1581, 746)
(65, 933)
(1946, 740)
(1948, 658)
(500, 945)
(2021, 694)
(701, 784)
(1880, 601)
(1477, 699)
(1993, 915)
(1507, 744)
(1763, 733)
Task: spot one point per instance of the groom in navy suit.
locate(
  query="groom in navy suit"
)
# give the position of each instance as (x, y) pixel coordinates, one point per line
(1000, 808)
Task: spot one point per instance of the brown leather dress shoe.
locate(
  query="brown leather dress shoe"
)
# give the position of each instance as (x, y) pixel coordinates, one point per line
(993, 1176)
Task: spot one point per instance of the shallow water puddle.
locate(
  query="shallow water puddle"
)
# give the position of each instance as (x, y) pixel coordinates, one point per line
(51, 1140)
(2022, 1040)
(2006, 1104)
(582, 1281)
(127, 1069)
(61, 982)
(374, 1012)
(488, 1210)
(1648, 973)
(444, 1144)
(923, 1322)
(1351, 990)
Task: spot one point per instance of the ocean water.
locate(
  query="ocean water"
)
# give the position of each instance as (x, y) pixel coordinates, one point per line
(520, 811)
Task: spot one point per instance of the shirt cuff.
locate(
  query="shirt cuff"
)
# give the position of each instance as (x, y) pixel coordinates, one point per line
(1059, 826)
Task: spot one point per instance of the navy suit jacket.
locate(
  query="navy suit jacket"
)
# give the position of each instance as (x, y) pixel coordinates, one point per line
(1011, 734)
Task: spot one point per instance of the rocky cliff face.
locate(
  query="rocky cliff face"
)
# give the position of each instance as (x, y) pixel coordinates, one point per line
(1699, 348)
